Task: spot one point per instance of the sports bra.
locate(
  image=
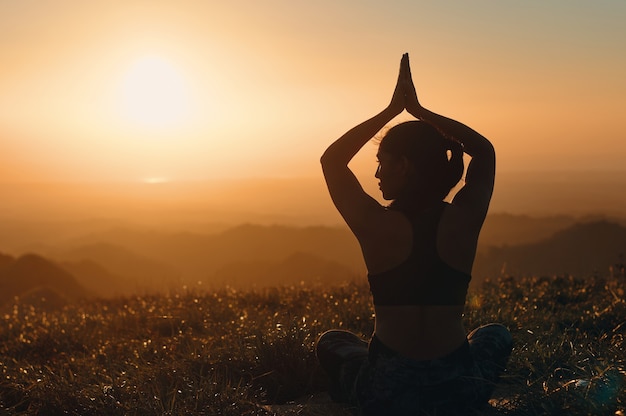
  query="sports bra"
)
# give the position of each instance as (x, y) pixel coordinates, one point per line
(423, 278)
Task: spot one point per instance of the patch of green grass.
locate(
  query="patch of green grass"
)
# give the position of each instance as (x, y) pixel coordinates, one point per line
(233, 352)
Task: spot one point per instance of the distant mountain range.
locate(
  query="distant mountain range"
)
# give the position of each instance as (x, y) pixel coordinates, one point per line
(296, 268)
(186, 257)
(124, 261)
(581, 250)
(38, 280)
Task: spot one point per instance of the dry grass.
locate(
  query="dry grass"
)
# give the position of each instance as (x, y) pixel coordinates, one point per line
(251, 353)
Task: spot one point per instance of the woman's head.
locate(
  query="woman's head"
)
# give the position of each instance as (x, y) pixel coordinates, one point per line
(417, 163)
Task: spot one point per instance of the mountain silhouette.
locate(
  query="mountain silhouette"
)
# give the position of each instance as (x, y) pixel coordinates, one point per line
(98, 280)
(5, 261)
(195, 256)
(295, 268)
(30, 273)
(121, 262)
(583, 249)
(509, 229)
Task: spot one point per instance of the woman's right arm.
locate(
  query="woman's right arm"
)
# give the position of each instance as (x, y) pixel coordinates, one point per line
(352, 202)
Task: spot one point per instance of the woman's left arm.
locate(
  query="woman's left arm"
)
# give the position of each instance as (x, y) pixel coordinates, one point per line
(479, 179)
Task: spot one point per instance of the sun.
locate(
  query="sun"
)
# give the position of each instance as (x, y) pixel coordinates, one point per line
(154, 94)
(155, 180)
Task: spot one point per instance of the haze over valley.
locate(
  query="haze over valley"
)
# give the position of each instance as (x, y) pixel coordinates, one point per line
(111, 239)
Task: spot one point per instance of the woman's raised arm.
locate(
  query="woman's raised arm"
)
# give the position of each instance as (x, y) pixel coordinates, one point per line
(353, 203)
(479, 179)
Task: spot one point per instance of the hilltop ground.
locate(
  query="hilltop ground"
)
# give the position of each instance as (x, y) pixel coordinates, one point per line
(251, 352)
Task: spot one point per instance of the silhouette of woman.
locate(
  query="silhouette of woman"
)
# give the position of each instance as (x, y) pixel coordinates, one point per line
(419, 252)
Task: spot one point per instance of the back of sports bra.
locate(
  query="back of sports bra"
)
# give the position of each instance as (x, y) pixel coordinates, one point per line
(423, 278)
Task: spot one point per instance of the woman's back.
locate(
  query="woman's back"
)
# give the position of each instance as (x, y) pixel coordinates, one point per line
(418, 295)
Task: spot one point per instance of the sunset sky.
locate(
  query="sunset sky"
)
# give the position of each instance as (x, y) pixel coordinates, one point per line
(195, 90)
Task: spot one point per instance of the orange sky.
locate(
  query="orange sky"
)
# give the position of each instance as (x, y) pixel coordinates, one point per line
(193, 90)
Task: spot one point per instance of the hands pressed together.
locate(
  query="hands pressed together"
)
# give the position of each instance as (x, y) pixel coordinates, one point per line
(404, 96)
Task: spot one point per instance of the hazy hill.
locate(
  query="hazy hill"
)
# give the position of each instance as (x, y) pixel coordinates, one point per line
(581, 250)
(31, 272)
(296, 268)
(47, 283)
(126, 260)
(273, 242)
(522, 244)
(98, 280)
(577, 193)
(508, 229)
(195, 256)
(119, 261)
(5, 260)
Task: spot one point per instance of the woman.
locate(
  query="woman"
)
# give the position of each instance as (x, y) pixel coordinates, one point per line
(419, 252)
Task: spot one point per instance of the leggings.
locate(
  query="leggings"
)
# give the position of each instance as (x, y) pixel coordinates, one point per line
(376, 380)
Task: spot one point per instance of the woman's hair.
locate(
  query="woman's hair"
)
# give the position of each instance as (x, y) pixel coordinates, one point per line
(437, 161)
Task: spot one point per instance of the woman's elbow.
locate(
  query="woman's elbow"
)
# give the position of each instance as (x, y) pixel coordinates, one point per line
(323, 158)
(328, 159)
(484, 150)
(488, 152)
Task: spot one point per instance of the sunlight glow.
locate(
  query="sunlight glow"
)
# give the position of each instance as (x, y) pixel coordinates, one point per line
(154, 94)
(155, 180)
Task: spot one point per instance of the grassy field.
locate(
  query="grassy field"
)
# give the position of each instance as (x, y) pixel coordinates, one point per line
(248, 353)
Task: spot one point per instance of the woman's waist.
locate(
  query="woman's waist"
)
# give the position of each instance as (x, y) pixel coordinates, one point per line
(421, 332)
